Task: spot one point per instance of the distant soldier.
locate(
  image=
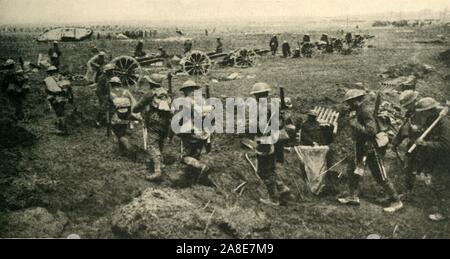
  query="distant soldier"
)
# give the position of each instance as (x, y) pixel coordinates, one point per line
(194, 141)
(286, 48)
(274, 45)
(219, 47)
(367, 151)
(155, 109)
(297, 53)
(306, 39)
(324, 38)
(338, 45)
(139, 51)
(120, 113)
(187, 46)
(266, 155)
(59, 93)
(102, 92)
(349, 38)
(432, 151)
(54, 54)
(15, 84)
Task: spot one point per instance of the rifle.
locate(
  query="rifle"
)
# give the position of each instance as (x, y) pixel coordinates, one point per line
(442, 114)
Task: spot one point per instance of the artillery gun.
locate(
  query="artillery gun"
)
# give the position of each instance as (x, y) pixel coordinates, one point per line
(196, 62)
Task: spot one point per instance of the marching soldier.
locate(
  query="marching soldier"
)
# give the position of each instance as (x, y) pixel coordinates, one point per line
(156, 111)
(15, 84)
(121, 113)
(364, 128)
(266, 156)
(432, 151)
(195, 141)
(102, 92)
(59, 93)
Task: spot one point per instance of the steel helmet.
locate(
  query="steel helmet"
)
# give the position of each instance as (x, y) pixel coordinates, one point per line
(115, 80)
(354, 93)
(426, 104)
(189, 84)
(109, 67)
(10, 62)
(261, 88)
(102, 53)
(408, 97)
(52, 68)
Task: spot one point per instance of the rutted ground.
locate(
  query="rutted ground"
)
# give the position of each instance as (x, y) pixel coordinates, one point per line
(79, 184)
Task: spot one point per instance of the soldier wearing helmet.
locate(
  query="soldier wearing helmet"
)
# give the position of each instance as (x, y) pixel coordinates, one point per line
(121, 103)
(55, 54)
(102, 92)
(219, 47)
(266, 154)
(364, 128)
(431, 154)
(59, 93)
(155, 107)
(15, 84)
(312, 133)
(194, 140)
(408, 100)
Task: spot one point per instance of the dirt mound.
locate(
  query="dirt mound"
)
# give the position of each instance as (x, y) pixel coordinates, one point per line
(160, 213)
(34, 223)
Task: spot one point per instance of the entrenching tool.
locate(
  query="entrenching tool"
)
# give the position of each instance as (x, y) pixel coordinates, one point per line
(442, 114)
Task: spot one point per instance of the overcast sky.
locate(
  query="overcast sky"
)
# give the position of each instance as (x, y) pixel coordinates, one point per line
(44, 11)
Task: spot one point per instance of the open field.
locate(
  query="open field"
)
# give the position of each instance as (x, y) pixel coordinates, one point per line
(82, 182)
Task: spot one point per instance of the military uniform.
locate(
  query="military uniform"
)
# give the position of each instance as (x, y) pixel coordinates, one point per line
(219, 47)
(194, 140)
(14, 83)
(59, 93)
(155, 107)
(267, 155)
(364, 128)
(274, 45)
(54, 54)
(103, 92)
(121, 103)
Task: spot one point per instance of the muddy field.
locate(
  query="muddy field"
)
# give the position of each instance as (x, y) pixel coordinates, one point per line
(54, 186)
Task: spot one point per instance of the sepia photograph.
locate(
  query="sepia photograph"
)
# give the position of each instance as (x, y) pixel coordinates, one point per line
(249, 120)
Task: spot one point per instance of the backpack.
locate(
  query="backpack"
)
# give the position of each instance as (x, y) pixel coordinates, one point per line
(121, 103)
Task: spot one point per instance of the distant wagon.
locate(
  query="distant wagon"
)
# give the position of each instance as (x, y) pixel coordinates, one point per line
(65, 34)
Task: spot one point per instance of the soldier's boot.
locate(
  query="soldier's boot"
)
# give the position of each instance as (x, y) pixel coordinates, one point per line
(396, 203)
(353, 198)
(157, 173)
(194, 163)
(274, 196)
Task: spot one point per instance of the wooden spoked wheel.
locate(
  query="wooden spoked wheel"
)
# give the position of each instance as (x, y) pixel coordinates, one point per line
(128, 70)
(244, 58)
(196, 63)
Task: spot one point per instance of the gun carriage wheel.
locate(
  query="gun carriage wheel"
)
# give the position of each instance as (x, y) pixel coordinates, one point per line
(196, 63)
(244, 58)
(128, 70)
